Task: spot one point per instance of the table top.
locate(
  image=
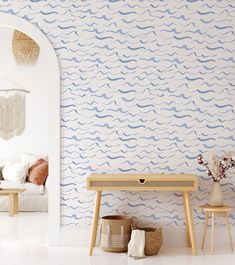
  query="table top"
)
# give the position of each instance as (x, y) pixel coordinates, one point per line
(9, 191)
(223, 208)
(148, 177)
(140, 182)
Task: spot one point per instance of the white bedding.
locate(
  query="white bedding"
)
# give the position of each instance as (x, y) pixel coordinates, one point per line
(34, 199)
(27, 203)
(31, 189)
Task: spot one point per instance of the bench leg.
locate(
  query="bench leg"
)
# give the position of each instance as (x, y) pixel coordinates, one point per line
(204, 232)
(11, 204)
(229, 231)
(16, 203)
(186, 223)
(212, 232)
(190, 223)
(95, 222)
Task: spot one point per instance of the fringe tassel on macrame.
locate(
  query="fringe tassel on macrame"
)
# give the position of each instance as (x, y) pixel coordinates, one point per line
(12, 114)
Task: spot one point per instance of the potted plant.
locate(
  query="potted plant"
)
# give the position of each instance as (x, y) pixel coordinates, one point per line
(217, 170)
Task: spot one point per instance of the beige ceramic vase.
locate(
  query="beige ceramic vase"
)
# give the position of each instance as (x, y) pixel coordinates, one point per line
(216, 196)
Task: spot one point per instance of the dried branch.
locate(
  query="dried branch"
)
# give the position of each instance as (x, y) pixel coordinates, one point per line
(217, 169)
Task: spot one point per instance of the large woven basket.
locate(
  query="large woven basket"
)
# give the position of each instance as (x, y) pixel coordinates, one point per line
(153, 240)
(115, 233)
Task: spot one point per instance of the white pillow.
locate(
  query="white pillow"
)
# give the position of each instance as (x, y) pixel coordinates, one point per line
(28, 158)
(15, 172)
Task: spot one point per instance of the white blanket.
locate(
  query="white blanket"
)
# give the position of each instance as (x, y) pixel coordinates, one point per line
(31, 189)
(137, 244)
(27, 203)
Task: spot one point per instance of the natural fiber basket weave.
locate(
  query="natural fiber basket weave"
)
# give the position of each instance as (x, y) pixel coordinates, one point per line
(115, 233)
(25, 50)
(153, 240)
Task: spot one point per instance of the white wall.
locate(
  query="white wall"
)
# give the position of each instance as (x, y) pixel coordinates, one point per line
(35, 138)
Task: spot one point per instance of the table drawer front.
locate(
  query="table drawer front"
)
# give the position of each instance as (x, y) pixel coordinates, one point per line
(139, 185)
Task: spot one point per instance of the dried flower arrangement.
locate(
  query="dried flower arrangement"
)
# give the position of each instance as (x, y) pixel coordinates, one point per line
(217, 169)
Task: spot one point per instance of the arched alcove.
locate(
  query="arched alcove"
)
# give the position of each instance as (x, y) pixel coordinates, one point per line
(53, 84)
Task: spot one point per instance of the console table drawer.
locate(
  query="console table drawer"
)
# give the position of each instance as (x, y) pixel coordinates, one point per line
(141, 182)
(120, 184)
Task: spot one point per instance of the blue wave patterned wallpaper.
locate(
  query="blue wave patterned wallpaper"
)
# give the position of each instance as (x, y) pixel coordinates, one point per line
(146, 85)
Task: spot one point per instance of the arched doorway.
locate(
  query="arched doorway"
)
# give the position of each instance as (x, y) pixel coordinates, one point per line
(53, 84)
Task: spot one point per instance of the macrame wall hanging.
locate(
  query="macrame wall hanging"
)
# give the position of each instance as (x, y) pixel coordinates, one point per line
(25, 50)
(12, 111)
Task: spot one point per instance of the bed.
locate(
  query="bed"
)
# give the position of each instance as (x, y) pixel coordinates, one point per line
(34, 199)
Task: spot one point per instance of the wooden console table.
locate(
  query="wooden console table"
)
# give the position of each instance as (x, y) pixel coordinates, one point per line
(142, 182)
(13, 195)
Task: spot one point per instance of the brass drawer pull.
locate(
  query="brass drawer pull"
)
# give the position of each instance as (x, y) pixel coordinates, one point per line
(142, 181)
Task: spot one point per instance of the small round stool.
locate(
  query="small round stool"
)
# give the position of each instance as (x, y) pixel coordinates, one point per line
(213, 210)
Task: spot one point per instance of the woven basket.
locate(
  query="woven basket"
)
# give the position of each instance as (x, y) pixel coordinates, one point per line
(115, 233)
(153, 240)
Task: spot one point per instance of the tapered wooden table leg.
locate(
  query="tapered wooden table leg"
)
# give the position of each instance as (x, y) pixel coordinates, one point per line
(190, 223)
(212, 231)
(186, 223)
(229, 231)
(11, 204)
(204, 232)
(16, 203)
(95, 222)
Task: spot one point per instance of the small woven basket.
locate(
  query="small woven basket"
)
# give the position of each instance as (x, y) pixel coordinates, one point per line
(153, 240)
(115, 233)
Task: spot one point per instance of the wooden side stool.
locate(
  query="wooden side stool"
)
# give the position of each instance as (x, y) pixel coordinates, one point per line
(213, 210)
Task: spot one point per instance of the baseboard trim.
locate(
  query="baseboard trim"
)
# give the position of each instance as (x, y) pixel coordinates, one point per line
(171, 237)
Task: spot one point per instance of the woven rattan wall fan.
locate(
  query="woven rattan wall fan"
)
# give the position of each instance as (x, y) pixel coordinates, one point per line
(25, 50)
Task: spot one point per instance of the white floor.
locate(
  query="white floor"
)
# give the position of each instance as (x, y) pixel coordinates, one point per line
(23, 241)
